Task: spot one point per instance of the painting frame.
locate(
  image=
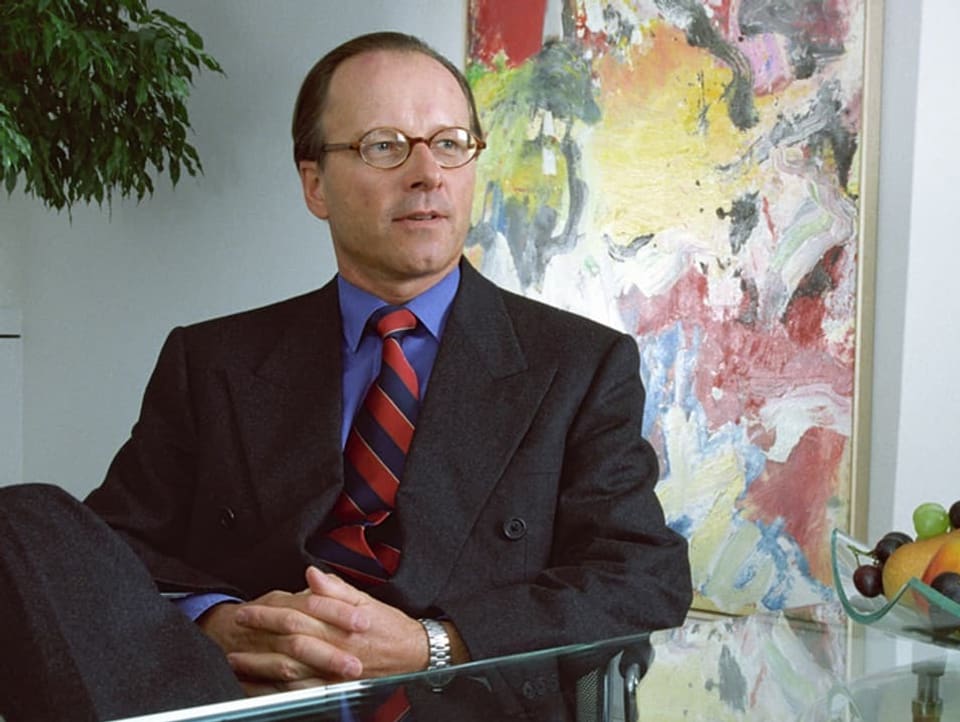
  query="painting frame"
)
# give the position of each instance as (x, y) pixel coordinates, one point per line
(856, 485)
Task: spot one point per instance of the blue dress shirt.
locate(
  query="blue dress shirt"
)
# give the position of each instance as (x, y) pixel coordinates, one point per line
(360, 352)
(361, 346)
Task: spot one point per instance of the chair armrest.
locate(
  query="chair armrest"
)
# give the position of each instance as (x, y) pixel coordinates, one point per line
(634, 661)
(608, 693)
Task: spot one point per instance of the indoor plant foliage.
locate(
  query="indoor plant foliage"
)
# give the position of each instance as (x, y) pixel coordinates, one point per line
(93, 98)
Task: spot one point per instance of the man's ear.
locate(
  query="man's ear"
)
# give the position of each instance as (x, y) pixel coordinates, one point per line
(311, 178)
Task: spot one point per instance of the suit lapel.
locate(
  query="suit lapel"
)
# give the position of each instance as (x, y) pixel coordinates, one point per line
(289, 414)
(482, 397)
(480, 401)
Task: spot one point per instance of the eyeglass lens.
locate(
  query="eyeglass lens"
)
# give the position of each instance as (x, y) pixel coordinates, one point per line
(387, 148)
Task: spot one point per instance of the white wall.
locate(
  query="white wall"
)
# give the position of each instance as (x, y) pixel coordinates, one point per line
(901, 40)
(916, 420)
(929, 430)
(916, 397)
(99, 295)
(11, 397)
(11, 352)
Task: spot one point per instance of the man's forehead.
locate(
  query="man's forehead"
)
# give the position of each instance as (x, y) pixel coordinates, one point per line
(371, 63)
(362, 71)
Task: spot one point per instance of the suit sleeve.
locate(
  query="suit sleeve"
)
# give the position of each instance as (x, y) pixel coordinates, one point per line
(615, 567)
(147, 495)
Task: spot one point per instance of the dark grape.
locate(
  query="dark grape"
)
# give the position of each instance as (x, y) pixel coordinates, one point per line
(868, 580)
(899, 535)
(955, 515)
(888, 544)
(948, 584)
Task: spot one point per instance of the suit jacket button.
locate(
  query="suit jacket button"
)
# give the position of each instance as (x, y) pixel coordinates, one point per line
(515, 528)
(227, 518)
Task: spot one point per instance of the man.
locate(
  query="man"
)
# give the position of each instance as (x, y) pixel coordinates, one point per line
(524, 514)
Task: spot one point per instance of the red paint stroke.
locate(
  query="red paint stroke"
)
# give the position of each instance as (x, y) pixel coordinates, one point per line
(685, 300)
(805, 320)
(807, 309)
(598, 42)
(798, 491)
(757, 685)
(724, 18)
(744, 363)
(507, 26)
(827, 24)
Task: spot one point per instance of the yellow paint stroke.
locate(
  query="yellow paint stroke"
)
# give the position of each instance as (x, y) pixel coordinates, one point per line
(513, 159)
(655, 161)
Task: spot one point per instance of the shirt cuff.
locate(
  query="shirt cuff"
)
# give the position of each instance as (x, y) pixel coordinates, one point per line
(194, 605)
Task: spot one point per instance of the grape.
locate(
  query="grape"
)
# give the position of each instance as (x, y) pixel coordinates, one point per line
(943, 621)
(955, 515)
(888, 544)
(899, 535)
(868, 580)
(930, 519)
(948, 584)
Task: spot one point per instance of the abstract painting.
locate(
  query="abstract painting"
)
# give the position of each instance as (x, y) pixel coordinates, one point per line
(689, 172)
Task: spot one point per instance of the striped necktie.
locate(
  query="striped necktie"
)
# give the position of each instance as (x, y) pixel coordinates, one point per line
(364, 545)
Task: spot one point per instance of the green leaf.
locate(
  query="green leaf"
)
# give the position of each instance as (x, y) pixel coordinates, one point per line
(98, 94)
(194, 39)
(142, 91)
(49, 41)
(96, 100)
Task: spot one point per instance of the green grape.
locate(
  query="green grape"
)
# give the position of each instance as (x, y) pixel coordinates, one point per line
(930, 519)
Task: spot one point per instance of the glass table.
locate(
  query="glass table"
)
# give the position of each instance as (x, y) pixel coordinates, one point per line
(810, 665)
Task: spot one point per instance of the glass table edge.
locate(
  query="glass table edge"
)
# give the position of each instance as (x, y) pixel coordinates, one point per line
(302, 700)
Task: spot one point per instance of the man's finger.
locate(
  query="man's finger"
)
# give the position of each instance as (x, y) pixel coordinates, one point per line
(269, 668)
(278, 620)
(337, 613)
(330, 585)
(296, 657)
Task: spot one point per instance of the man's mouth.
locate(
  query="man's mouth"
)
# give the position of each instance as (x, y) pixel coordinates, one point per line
(421, 216)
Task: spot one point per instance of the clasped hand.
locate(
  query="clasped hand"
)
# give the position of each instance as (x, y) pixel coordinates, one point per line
(329, 632)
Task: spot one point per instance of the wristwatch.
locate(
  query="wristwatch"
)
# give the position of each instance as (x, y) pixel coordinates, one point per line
(439, 642)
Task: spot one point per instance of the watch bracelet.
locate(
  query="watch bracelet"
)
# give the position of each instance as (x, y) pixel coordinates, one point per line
(438, 642)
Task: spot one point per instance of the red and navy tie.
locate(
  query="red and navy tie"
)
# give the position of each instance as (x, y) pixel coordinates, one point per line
(364, 544)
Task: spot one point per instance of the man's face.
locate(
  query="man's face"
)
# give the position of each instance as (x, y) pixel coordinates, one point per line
(395, 232)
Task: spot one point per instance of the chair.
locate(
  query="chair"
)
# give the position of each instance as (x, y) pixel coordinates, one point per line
(608, 693)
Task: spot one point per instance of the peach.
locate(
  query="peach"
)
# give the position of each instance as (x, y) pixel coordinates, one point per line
(912, 560)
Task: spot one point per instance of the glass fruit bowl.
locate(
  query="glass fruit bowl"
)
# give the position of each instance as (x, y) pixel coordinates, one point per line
(902, 614)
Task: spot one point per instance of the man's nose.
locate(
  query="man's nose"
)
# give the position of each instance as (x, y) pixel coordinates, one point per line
(423, 171)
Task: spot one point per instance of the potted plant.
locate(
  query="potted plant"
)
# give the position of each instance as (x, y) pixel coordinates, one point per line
(93, 98)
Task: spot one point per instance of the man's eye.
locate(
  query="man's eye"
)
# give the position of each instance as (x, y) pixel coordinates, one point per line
(384, 147)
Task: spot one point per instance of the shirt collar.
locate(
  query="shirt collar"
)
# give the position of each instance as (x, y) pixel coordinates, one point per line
(430, 307)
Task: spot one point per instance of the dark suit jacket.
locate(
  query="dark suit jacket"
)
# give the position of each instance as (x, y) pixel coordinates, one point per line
(527, 508)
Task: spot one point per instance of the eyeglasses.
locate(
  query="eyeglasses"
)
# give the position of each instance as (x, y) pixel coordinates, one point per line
(388, 148)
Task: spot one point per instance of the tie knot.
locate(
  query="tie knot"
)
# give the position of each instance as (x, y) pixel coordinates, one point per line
(393, 320)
